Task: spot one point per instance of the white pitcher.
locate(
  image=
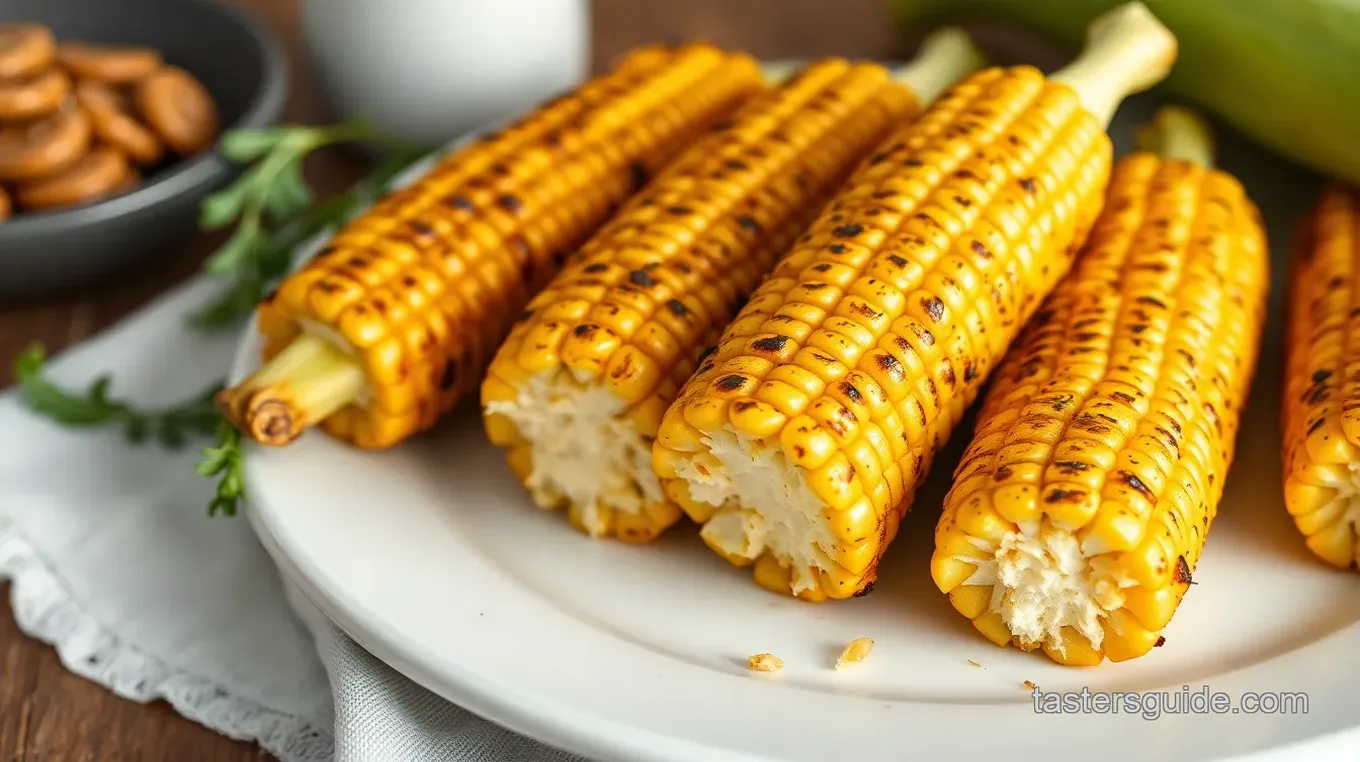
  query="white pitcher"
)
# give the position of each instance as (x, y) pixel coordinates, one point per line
(427, 71)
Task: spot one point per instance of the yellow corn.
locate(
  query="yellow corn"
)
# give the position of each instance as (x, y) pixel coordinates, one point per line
(1080, 507)
(578, 389)
(800, 441)
(388, 326)
(1321, 412)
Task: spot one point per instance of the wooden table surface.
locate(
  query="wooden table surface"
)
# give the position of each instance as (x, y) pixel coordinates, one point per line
(47, 713)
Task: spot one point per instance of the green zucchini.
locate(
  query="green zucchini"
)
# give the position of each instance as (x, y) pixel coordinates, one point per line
(1284, 72)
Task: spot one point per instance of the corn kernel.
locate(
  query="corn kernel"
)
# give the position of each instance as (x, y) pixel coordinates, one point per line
(1110, 423)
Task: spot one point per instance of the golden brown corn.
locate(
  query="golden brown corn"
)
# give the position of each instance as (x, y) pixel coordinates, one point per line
(1321, 411)
(577, 391)
(800, 441)
(1080, 507)
(388, 326)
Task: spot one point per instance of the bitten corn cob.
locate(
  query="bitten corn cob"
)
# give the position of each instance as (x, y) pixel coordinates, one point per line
(579, 387)
(1321, 411)
(388, 326)
(800, 441)
(1080, 507)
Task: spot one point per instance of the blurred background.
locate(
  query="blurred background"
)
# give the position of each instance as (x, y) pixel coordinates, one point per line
(768, 28)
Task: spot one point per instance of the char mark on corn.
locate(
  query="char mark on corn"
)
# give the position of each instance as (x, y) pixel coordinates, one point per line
(889, 314)
(418, 292)
(577, 391)
(1321, 410)
(1084, 499)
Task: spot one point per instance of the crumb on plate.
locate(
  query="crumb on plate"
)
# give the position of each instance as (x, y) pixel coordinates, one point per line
(854, 652)
(1029, 684)
(764, 663)
(975, 664)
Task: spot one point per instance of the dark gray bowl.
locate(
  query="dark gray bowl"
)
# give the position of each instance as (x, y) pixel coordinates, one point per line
(235, 57)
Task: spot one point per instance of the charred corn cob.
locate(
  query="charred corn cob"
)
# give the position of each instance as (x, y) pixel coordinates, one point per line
(800, 440)
(1080, 507)
(577, 391)
(1321, 411)
(394, 321)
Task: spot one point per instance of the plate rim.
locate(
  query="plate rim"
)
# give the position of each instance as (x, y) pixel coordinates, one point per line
(562, 735)
(543, 727)
(511, 708)
(497, 704)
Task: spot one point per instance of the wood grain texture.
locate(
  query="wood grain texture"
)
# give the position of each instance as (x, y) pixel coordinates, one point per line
(47, 714)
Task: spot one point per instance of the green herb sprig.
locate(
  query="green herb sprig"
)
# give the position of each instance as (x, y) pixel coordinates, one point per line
(224, 461)
(274, 209)
(171, 427)
(275, 212)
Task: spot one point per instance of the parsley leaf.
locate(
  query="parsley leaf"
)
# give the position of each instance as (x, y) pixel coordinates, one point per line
(224, 461)
(171, 427)
(274, 209)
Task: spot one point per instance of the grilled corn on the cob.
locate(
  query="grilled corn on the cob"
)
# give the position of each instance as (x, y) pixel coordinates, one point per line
(388, 326)
(800, 441)
(577, 391)
(1080, 507)
(1321, 411)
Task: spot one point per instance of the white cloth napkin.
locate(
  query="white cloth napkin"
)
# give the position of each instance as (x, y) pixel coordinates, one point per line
(114, 561)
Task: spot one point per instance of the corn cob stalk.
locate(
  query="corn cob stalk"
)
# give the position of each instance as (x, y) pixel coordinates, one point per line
(800, 442)
(1322, 380)
(394, 321)
(577, 391)
(1080, 507)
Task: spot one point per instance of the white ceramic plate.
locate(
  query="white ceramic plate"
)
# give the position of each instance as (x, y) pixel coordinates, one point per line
(432, 557)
